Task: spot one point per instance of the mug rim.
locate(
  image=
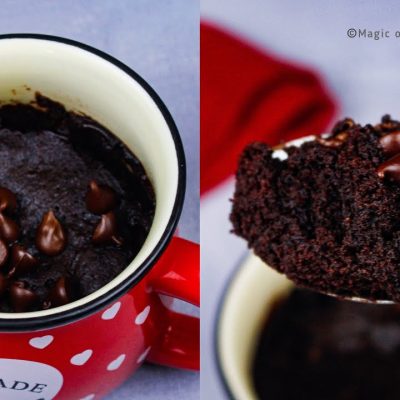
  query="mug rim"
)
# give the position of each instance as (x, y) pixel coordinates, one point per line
(217, 325)
(89, 308)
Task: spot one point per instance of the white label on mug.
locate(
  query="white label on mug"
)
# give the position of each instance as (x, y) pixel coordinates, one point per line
(28, 380)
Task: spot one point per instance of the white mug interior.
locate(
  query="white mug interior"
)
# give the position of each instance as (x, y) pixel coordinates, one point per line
(88, 83)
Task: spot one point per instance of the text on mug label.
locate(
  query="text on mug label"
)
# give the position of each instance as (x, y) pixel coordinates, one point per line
(28, 380)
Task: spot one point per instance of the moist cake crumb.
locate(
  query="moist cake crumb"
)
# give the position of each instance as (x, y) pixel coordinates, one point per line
(327, 216)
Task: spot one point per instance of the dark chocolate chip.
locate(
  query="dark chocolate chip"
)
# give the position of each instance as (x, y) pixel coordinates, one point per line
(21, 298)
(8, 200)
(390, 143)
(3, 285)
(100, 199)
(342, 126)
(334, 141)
(390, 169)
(387, 123)
(106, 231)
(63, 292)
(9, 230)
(22, 262)
(51, 238)
(3, 252)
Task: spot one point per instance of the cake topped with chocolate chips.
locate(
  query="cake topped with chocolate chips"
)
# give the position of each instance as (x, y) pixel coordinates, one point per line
(328, 213)
(75, 206)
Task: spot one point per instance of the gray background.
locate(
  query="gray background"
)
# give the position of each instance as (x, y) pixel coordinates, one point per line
(159, 39)
(363, 74)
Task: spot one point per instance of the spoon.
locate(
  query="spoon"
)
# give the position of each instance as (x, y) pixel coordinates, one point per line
(359, 299)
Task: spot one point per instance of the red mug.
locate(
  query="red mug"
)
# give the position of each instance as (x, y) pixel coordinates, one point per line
(85, 349)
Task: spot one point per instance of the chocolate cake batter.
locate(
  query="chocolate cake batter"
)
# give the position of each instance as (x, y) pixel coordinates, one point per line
(318, 348)
(75, 206)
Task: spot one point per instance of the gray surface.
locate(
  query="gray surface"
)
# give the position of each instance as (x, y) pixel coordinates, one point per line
(159, 40)
(363, 74)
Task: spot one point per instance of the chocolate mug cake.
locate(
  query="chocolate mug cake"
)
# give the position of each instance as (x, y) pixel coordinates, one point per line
(328, 214)
(75, 206)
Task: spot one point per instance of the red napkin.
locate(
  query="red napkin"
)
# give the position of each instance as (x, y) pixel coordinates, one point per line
(247, 95)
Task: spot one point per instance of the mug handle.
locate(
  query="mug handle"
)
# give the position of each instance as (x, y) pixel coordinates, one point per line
(179, 277)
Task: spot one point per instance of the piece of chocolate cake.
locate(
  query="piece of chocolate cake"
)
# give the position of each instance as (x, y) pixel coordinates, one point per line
(327, 216)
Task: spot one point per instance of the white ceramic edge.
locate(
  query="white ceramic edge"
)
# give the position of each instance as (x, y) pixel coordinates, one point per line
(85, 82)
(246, 306)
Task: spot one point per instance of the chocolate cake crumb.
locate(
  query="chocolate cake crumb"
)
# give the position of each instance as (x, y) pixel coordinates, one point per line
(324, 216)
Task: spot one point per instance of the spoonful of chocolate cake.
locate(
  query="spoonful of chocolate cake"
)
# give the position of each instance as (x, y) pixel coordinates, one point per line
(326, 213)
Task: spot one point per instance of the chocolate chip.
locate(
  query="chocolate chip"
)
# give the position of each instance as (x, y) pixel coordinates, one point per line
(390, 169)
(9, 230)
(8, 200)
(21, 298)
(3, 284)
(51, 238)
(390, 143)
(106, 230)
(3, 252)
(22, 262)
(63, 292)
(342, 126)
(100, 199)
(387, 123)
(334, 141)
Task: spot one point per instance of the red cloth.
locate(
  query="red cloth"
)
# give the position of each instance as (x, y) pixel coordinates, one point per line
(247, 95)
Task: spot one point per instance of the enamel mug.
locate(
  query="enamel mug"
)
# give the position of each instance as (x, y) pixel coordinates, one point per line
(85, 349)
